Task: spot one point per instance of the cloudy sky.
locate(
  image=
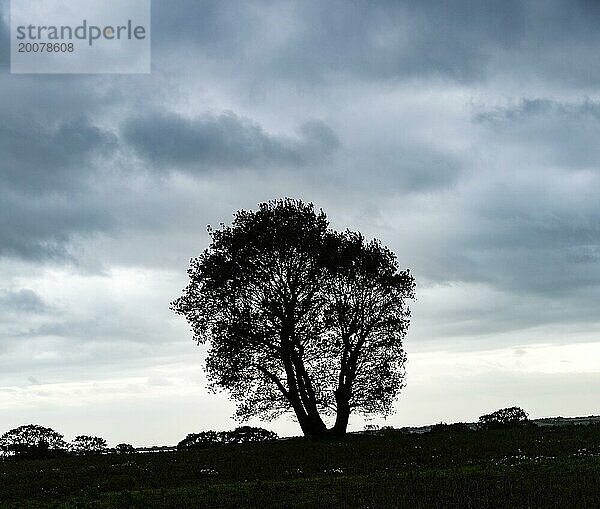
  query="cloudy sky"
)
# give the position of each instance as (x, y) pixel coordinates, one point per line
(464, 135)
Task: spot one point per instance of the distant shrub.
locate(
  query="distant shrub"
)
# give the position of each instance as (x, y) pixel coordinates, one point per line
(243, 434)
(124, 449)
(201, 440)
(84, 444)
(455, 427)
(504, 418)
(388, 431)
(370, 428)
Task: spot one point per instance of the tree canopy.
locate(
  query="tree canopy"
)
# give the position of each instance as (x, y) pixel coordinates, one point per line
(299, 317)
(84, 444)
(32, 440)
(124, 448)
(239, 435)
(504, 418)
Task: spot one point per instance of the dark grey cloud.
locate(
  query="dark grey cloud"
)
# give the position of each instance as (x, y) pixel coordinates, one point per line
(402, 168)
(544, 252)
(536, 108)
(225, 141)
(310, 41)
(23, 301)
(314, 42)
(53, 152)
(531, 239)
(42, 158)
(397, 39)
(532, 217)
(554, 132)
(42, 227)
(221, 28)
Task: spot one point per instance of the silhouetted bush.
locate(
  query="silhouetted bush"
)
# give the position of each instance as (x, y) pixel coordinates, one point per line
(505, 418)
(201, 440)
(388, 431)
(455, 427)
(124, 449)
(243, 434)
(84, 444)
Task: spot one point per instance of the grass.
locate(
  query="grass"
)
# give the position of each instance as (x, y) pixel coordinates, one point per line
(537, 467)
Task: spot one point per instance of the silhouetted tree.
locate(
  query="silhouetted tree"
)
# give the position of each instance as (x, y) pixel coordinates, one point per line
(32, 440)
(245, 434)
(124, 449)
(201, 440)
(504, 418)
(84, 444)
(299, 317)
(371, 428)
(240, 435)
(455, 427)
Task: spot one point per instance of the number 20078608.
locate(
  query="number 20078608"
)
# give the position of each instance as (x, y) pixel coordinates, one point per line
(47, 47)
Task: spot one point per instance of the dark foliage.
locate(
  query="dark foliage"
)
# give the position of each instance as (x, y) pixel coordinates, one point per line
(244, 434)
(32, 441)
(84, 444)
(124, 449)
(299, 317)
(455, 427)
(240, 435)
(201, 440)
(505, 418)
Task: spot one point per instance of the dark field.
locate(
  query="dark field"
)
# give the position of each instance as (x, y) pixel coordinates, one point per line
(530, 467)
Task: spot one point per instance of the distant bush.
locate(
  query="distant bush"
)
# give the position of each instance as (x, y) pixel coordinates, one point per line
(505, 418)
(388, 431)
(455, 427)
(370, 428)
(124, 449)
(243, 434)
(84, 444)
(201, 440)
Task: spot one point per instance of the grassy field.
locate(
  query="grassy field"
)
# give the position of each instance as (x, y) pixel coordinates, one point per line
(537, 467)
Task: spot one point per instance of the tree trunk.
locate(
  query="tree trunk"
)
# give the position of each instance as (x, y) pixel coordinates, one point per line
(299, 392)
(343, 413)
(310, 421)
(312, 426)
(305, 409)
(341, 422)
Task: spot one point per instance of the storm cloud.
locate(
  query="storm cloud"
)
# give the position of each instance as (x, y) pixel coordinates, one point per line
(557, 133)
(43, 158)
(21, 301)
(223, 142)
(466, 41)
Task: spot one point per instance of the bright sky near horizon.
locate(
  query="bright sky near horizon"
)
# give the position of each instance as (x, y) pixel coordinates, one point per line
(464, 135)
